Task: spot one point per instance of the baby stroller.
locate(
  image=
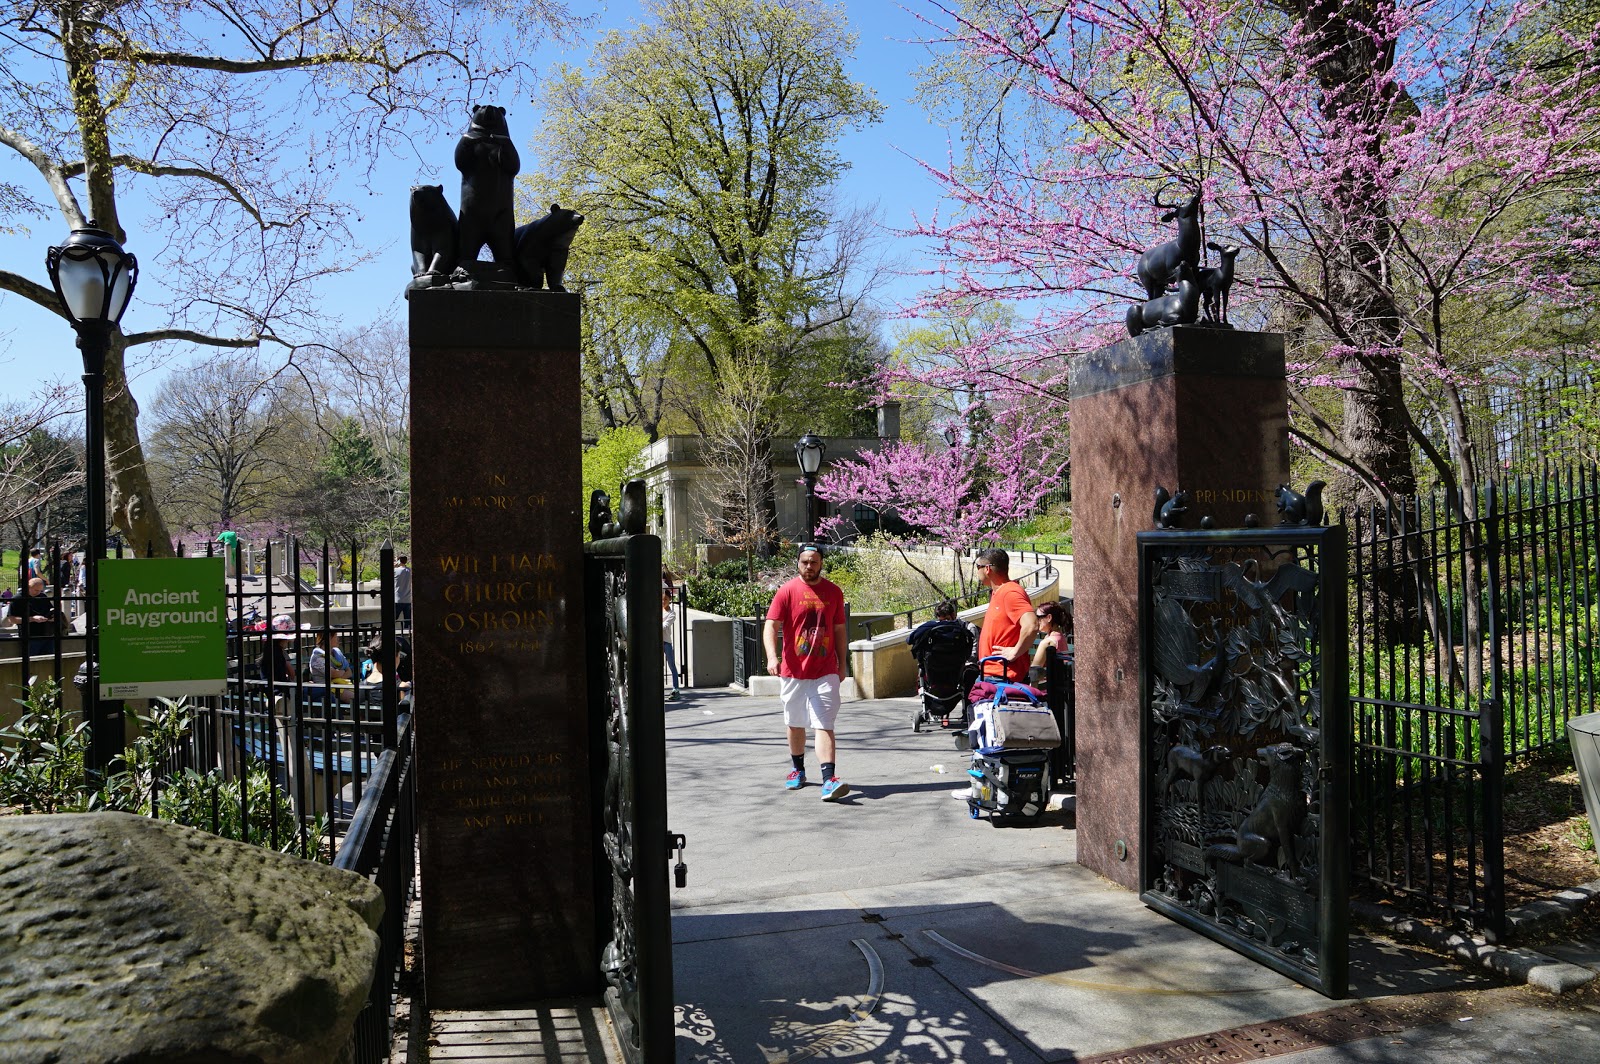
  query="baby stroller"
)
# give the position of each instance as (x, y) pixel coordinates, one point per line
(945, 672)
(1010, 737)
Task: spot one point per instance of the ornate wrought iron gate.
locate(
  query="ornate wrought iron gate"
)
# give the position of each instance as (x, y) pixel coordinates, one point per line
(1246, 742)
(628, 729)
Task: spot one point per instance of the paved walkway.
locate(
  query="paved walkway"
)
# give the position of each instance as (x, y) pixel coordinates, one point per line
(890, 927)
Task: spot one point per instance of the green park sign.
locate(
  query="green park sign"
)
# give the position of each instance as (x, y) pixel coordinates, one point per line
(163, 627)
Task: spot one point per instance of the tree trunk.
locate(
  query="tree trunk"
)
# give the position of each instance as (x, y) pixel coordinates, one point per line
(133, 506)
(1348, 52)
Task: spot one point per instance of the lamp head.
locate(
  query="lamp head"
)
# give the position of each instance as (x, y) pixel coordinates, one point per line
(808, 451)
(92, 275)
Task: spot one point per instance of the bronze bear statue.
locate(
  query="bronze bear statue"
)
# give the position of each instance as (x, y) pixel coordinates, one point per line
(542, 246)
(488, 161)
(433, 235)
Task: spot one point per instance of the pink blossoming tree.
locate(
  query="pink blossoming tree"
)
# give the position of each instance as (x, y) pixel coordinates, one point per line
(1393, 169)
(953, 496)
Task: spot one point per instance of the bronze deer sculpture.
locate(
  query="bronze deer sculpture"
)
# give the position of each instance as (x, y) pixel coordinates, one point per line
(1158, 267)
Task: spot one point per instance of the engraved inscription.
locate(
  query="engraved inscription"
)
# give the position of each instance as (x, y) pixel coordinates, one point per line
(1205, 495)
(1269, 893)
(1202, 586)
(506, 789)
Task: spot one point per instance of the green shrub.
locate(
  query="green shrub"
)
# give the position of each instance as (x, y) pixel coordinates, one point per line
(42, 770)
(732, 571)
(42, 755)
(1050, 531)
(211, 803)
(730, 598)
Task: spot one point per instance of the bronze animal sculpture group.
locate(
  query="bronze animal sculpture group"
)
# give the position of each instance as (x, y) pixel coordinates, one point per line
(1176, 286)
(444, 247)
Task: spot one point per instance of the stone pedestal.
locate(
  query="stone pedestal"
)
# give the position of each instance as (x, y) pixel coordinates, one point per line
(506, 824)
(1204, 410)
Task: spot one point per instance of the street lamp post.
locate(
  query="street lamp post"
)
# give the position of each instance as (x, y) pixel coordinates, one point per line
(94, 279)
(808, 451)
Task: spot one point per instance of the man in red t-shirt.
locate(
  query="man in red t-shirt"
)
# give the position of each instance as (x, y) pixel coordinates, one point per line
(1009, 625)
(807, 615)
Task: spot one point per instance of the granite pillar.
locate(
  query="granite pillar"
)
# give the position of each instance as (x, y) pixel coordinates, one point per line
(1205, 410)
(505, 819)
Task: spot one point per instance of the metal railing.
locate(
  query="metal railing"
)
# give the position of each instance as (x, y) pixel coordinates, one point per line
(1473, 641)
(747, 653)
(382, 846)
(1043, 572)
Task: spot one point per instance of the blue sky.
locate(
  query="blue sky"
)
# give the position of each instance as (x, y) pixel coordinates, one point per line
(37, 348)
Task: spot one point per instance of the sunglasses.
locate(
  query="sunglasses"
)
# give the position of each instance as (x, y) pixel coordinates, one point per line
(981, 565)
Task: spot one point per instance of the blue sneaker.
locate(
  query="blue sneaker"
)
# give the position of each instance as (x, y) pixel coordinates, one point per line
(834, 788)
(796, 779)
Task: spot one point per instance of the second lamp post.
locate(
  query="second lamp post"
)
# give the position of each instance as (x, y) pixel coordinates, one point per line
(808, 451)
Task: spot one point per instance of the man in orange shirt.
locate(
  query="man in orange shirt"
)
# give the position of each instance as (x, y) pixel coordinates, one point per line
(1009, 625)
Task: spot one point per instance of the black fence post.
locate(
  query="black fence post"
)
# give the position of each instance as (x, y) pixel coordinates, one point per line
(388, 646)
(681, 651)
(1491, 740)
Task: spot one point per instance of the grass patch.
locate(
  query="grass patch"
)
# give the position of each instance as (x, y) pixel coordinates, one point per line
(1049, 532)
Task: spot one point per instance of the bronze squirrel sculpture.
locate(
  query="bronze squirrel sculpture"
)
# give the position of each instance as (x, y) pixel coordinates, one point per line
(1300, 509)
(1170, 509)
(632, 515)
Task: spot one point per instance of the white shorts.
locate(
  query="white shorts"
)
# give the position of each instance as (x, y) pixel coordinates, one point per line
(810, 703)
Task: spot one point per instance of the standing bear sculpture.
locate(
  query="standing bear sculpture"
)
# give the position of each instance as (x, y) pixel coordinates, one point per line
(488, 162)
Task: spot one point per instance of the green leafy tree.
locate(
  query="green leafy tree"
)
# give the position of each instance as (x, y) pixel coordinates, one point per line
(703, 151)
(613, 459)
(702, 146)
(353, 494)
(351, 453)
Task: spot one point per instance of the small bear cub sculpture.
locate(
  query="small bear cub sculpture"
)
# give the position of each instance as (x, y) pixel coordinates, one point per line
(488, 161)
(542, 247)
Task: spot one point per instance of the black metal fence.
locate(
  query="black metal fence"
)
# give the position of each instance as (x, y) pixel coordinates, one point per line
(307, 750)
(1474, 639)
(1042, 573)
(382, 846)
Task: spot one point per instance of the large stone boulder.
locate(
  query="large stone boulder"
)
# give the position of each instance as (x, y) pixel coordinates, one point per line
(130, 940)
